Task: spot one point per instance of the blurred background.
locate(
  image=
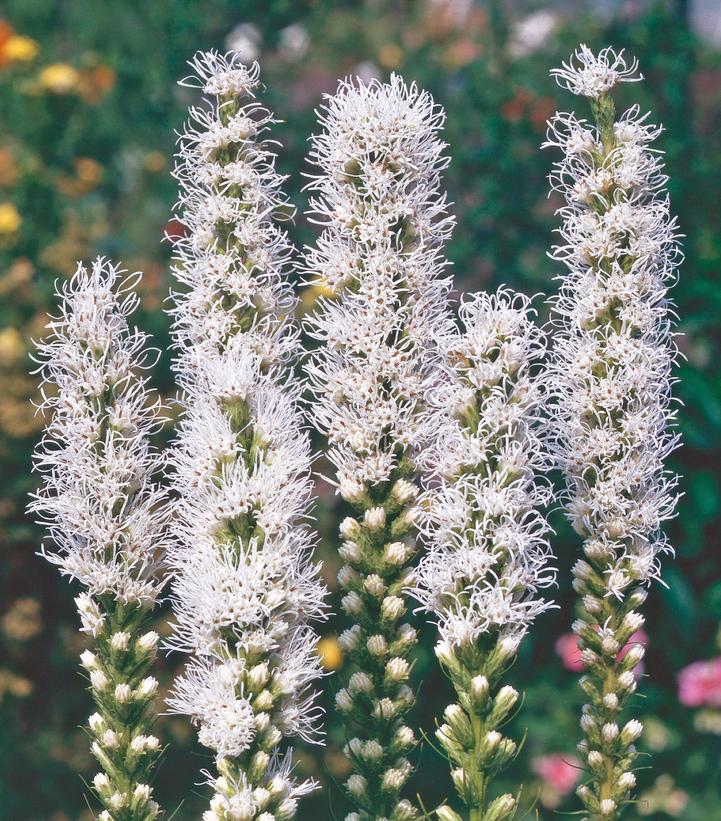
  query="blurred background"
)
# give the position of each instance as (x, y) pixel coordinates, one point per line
(88, 109)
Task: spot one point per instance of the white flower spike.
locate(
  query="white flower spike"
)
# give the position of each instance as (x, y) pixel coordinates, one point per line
(379, 260)
(245, 589)
(103, 510)
(610, 384)
(488, 556)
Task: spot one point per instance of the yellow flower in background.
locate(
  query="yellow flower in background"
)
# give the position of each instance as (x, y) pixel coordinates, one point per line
(20, 49)
(331, 656)
(10, 219)
(11, 346)
(390, 56)
(14, 685)
(22, 621)
(59, 78)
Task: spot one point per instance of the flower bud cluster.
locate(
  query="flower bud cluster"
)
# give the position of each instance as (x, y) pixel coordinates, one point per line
(378, 260)
(125, 695)
(245, 589)
(610, 379)
(107, 517)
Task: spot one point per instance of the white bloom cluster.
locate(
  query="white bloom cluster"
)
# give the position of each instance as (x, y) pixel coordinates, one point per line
(379, 263)
(384, 220)
(245, 588)
(98, 500)
(487, 552)
(610, 391)
(487, 555)
(107, 516)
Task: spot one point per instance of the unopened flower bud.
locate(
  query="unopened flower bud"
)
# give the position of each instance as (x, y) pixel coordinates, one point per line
(479, 690)
(374, 585)
(147, 688)
(120, 641)
(377, 646)
(631, 732)
(349, 551)
(360, 683)
(352, 603)
(148, 641)
(607, 807)
(98, 680)
(349, 528)
(348, 639)
(610, 701)
(101, 782)
(609, 732)
(343, 701)
(626, 782)
(397, 669)
(375, 518)
(392, 608)
(356, 785)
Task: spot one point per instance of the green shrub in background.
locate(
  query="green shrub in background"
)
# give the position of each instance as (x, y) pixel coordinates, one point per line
(89, 103)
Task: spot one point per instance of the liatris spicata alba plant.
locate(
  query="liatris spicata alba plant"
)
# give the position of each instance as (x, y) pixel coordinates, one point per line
(106, 516)
(611, 381)
(487, 555)
(378, 258)
(245, 589)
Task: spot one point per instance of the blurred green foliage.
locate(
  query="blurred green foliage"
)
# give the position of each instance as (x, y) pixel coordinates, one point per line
(89, 107)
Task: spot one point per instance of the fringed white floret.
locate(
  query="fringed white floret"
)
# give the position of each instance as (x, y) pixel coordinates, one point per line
(488, 555)
(592, 75)
(610, 383)
(379, 263)
(245, 588)
(106, 514)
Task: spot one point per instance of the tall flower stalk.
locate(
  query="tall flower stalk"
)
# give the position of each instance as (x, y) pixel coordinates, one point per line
(611, 380)
(245, 589)
(487, 555)
(379, 200)
(106, 516)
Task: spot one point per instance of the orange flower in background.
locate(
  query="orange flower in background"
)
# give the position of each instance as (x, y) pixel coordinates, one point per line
(8, 168)
(88, 173)
(516, 108)
(6, 32)
(94, 83)
(155, 162)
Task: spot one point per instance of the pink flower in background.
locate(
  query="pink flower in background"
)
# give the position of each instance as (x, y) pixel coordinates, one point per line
(561, 772)
(567, 649)
(699, 684)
